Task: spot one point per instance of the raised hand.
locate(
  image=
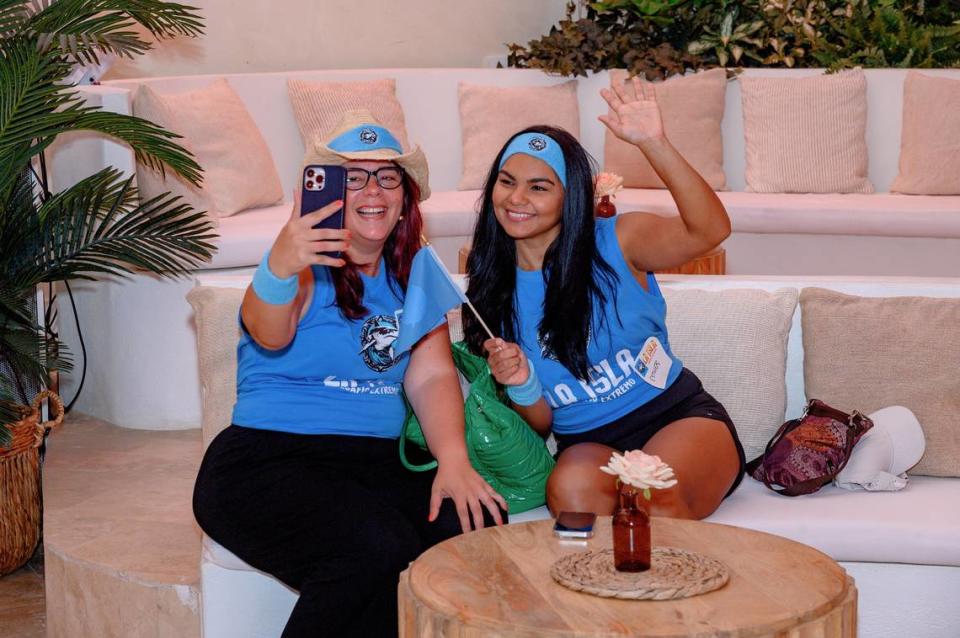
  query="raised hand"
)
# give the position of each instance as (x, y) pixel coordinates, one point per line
(298, 245)
(636, 114)
(507, 361)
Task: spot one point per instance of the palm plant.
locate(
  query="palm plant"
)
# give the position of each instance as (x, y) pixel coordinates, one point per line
(98, 226)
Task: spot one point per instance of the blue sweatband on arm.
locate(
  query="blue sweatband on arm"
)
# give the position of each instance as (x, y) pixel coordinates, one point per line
(270, 288)
(528, 392)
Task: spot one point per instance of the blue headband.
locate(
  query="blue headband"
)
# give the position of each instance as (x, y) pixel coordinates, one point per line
(367, 137)
(540, 146)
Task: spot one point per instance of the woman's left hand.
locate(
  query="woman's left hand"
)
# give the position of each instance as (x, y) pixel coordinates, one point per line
(469, 492)
(636, 114)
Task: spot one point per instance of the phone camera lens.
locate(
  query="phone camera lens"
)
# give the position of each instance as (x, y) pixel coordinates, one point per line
(311, 172)
(310, 183)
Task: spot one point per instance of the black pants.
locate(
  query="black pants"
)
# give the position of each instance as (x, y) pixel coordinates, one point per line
(335, 517)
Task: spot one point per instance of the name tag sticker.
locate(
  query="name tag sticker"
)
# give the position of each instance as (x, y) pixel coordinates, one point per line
(653, 363)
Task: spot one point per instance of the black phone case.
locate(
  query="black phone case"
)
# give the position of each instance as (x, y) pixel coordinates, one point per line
(322, 184)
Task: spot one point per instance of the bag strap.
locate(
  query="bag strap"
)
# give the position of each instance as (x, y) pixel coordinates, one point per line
(403, 447)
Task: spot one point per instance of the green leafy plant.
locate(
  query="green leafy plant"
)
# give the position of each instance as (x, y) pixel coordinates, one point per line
(605, 37)
(98, 226)
(886, 33)
(658, 38)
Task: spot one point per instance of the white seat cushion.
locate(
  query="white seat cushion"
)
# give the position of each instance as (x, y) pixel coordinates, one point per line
(246, 236)
(214, 552)
(887, 214)
(919, 524)
(450, 213)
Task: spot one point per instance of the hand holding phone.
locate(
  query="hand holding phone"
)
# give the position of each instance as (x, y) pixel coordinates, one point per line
(320, 186)
(574, 524)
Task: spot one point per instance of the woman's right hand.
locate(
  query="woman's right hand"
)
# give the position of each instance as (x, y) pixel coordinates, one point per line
(299, 244)
(507, 362)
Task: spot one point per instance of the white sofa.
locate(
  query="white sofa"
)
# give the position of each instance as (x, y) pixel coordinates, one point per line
(139, 331)
(902, 547)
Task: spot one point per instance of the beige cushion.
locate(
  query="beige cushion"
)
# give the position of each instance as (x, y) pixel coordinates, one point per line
(216, 312)
(930, 139)
(736, 342)
(216, 127)
(318, 106)
(867, 353)
(806, 135)
(490, 115)
(692, 109)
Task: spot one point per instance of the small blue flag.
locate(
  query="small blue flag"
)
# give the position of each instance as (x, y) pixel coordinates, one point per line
(430, 294)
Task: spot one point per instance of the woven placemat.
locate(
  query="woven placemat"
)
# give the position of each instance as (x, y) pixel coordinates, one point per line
(674, 573)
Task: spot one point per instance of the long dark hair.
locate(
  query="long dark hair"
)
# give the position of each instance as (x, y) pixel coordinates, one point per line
(398, 251)
(570, 295)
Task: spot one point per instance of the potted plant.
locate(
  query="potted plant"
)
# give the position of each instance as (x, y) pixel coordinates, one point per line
(96, 227)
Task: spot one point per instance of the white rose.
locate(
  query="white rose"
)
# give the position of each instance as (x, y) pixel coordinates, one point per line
(641, 470)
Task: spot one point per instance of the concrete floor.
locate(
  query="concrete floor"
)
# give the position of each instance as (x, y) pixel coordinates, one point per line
(22, 607)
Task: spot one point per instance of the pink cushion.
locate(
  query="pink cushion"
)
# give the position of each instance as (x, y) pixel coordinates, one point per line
(692, 109)
(490, 115)
(806, 135)
(238, 169)
(930, 139)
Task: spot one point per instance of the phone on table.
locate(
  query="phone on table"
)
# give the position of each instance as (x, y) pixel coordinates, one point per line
(574, 524)
(321, 185)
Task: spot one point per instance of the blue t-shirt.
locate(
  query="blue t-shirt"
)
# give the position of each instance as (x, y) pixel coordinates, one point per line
(616, 384)
(337, 376)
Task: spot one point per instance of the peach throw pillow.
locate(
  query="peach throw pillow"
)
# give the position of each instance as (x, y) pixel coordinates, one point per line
(867, 353)
(806, 135)
(319, 105)
(930, 140)
(692, 109)
(490, 115)
(238, 170)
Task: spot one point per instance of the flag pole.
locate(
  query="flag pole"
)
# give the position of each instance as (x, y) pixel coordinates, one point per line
(476, 314)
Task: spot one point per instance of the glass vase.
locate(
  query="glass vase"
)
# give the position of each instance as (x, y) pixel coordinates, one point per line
(631, 532)
(605, 208)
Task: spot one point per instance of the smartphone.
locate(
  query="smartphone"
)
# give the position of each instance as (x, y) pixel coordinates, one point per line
(321, 185)
(574, 524)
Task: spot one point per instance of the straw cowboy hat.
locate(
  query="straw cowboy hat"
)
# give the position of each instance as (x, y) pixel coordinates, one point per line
(359, 136)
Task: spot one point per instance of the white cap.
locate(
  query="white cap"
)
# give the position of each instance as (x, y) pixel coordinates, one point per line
(893, 445)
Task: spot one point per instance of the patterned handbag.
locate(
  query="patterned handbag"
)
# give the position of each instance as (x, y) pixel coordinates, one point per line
(807, 453)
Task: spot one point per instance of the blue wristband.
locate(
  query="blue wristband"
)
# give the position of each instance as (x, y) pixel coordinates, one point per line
(270, 288)
(528, 392)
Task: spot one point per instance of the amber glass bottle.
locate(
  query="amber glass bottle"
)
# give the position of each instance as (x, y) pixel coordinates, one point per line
(631, 532)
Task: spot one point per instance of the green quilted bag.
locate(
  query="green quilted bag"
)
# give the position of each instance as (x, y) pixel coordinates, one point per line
(503, 449)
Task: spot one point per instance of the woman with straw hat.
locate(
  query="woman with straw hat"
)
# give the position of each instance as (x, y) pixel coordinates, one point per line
(307, 484)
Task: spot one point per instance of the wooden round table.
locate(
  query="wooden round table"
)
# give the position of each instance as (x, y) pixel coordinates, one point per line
(496, 582)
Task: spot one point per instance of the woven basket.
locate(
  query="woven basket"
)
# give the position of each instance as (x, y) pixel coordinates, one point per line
(20, 504)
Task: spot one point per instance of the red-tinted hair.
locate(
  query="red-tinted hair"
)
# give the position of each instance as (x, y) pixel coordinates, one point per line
(398, 251)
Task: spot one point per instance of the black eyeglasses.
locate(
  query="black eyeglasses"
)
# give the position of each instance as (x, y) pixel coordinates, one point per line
(388, 177)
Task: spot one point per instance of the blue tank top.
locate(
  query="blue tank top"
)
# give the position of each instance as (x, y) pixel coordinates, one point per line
(618, 362)
(337, 376)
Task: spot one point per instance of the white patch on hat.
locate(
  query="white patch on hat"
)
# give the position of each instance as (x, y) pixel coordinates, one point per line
(368, 136)
(537, 143)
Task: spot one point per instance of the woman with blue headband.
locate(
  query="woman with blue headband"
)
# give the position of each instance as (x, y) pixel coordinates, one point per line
(583, 348)
(307, 484)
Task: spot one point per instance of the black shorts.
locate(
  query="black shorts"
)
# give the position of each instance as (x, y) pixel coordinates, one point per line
(685, 398)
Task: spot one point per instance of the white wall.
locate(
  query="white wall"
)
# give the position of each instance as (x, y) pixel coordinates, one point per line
(278, 35)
